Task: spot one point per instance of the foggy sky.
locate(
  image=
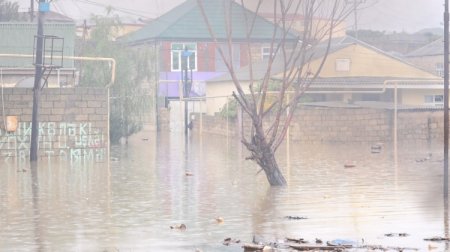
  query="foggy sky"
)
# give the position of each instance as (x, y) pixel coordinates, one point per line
(389, 15)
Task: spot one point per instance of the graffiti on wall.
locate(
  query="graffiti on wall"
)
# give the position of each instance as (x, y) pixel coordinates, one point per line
(74, 142)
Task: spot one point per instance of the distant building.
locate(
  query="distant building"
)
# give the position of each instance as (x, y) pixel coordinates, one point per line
(429, 57)
(353, 71)
(126, 26)
(184, 28)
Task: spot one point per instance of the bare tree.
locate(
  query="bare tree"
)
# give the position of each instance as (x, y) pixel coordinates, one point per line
(288, 66)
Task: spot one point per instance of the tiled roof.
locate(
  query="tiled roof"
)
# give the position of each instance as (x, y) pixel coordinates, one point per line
(434, 48)
(186, 22)
(260, 68)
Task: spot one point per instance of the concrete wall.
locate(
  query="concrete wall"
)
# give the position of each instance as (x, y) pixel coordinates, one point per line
(346, 125)
(73, 124)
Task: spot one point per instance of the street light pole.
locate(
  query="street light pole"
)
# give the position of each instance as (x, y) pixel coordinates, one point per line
(37, 83)
(446, 84)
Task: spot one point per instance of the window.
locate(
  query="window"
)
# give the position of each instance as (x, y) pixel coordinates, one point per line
(176, 55)
(440, 69)
(265, 52)
(434, 100)
(342, 65)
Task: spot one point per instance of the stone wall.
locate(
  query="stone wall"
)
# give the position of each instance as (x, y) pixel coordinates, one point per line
(73, 124)
(346, 125)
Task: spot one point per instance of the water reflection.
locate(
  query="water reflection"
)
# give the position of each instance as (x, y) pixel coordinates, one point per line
(37, 220)
(130, 205)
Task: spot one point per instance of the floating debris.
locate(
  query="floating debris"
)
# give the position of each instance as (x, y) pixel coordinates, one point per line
(396, 235)
(253, 247)
(228, 241)
(317, 247)
(342, 243)
(437, 239)
(376, 148)
(428, 157)
(319, 241)
(219, 220)
(430, 247)
(295, 217)
(349, 164)
(379, 247)
(22, 170)
(296, 240)
(188, 173)
(181, 227)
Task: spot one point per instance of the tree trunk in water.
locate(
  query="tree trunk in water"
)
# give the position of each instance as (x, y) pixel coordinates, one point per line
(270, 167)
(264, 156)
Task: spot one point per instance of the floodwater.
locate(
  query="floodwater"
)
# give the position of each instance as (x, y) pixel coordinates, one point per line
(130, 204)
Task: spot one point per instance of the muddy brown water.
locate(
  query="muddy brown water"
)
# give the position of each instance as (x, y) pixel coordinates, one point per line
(130, 203)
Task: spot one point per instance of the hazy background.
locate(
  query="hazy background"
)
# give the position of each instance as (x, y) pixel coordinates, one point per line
(388, 15)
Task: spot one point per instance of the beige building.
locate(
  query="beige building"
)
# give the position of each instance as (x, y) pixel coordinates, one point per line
(430, 57)
(353, 71)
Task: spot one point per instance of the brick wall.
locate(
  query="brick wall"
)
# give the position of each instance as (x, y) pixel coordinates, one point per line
(347, 125)
(73, 124)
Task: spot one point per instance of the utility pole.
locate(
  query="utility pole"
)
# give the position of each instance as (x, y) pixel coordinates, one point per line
(356, 18)
(446, 122)
(355, 14)
(187, 84)
(43, 7)
(32, 11)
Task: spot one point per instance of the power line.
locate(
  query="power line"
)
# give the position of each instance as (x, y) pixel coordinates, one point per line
(119, 9)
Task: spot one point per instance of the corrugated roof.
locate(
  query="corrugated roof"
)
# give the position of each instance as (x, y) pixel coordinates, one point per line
(186, 22)
(18, 38)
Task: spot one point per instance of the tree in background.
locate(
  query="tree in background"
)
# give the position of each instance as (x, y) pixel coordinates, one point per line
(9, 11)
(129, 100)
(271, 115)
